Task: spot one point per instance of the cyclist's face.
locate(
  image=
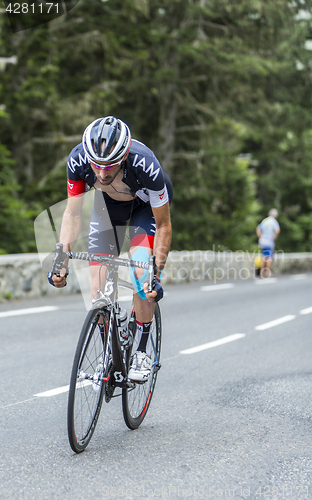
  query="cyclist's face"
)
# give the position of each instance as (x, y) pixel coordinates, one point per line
(105, 177)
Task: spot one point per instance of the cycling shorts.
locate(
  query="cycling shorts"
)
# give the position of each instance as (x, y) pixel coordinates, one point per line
(109, 222)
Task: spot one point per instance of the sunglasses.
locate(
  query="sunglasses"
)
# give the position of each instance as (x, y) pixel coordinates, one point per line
(105, 167)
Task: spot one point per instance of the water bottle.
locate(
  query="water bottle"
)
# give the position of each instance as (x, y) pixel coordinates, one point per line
(123, 329)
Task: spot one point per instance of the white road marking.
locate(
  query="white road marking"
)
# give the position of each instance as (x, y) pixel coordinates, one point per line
(222, 286)
(214, 343)
(266, 281)
(18, 403)
(61, 390)
(30, 310)
(308, 310)
(53, 392)
(275, 322)
(299, 277)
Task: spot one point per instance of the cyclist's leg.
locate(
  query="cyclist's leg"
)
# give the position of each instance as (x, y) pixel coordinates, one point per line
(142, 234)
(106, 235)
(106, 239)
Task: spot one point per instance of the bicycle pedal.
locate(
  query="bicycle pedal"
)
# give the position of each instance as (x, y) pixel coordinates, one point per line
(139, 382)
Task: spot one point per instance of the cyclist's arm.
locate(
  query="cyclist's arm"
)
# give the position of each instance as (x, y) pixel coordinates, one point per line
(161, 243)
(71, 222)
(162, 235)
(70, 229)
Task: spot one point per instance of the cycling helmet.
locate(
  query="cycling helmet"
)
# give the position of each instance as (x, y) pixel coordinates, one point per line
(117, 137)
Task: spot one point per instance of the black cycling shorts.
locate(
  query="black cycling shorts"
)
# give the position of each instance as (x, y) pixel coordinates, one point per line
(110, 219)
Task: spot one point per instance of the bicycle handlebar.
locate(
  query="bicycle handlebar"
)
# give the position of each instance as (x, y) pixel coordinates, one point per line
(58, 261)
(60, 256)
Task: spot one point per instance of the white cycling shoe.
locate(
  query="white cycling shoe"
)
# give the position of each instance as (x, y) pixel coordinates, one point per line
(140, 367)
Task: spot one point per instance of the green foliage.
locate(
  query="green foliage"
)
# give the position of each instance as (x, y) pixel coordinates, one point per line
(217, 209)
(16, 228)
(220, 90)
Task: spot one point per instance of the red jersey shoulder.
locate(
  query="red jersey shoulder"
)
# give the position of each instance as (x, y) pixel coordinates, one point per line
(75, 187)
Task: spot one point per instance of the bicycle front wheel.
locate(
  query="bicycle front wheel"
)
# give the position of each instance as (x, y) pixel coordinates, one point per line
(86, 384)
(136, 400)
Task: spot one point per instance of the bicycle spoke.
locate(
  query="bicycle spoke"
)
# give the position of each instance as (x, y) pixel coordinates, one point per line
(86, 388)
(136, 400)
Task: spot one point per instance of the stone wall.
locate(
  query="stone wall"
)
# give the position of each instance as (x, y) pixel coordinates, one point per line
(24, 275)
(219, 266)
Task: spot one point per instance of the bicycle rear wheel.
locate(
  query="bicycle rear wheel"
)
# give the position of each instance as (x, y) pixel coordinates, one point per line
(86, 384)
(136, 400)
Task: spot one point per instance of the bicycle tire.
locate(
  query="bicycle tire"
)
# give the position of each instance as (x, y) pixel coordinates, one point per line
(86, 389)
(136, 401)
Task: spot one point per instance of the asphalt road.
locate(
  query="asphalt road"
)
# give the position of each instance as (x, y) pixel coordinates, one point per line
(230, 418)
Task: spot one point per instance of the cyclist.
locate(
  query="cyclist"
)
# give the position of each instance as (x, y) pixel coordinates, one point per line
(130, 186)
(267, 232)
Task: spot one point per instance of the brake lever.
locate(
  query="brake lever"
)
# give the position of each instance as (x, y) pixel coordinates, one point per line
(152, 271)
(58, 261)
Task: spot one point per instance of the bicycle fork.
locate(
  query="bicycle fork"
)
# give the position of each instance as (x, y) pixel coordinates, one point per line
(156, 364)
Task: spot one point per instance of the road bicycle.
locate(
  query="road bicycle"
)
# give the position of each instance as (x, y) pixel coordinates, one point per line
(102, 359)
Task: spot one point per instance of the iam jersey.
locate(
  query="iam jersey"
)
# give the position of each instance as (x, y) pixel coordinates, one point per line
(142, 173)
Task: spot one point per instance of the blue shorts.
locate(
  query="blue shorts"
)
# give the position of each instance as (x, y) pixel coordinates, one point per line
(267, 252)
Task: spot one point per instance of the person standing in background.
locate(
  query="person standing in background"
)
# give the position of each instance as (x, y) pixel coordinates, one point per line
(267, 232)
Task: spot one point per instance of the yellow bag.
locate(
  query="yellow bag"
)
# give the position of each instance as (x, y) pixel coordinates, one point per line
(257, 262)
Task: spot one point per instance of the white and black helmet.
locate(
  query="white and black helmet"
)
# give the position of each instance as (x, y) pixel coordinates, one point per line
(117, 137)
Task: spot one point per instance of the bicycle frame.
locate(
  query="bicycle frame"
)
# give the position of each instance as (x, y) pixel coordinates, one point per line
(109, 300)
